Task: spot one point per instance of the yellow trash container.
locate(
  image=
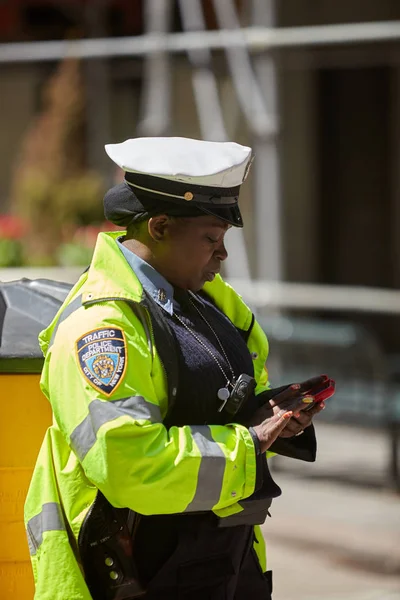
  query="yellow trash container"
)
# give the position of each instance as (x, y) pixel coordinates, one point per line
(26, 307)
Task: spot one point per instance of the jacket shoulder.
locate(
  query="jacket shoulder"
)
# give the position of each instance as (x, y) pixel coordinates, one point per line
(230, 302)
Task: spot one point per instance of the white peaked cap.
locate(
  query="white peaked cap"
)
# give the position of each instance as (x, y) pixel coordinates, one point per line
(197, 162)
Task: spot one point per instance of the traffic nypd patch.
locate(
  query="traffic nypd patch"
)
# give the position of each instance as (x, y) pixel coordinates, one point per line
(102, 358)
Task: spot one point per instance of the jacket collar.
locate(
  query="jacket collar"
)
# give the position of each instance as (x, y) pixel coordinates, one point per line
(111, 277)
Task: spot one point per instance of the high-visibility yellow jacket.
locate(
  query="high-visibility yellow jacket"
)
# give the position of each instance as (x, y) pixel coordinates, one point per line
(112, 438)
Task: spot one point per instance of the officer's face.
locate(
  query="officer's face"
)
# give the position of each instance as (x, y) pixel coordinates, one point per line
(190, 250)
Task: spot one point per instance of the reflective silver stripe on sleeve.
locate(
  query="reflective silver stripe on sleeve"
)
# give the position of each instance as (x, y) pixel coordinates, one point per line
(50, 519)
(83, 437)
(211, 472)
(75, 304)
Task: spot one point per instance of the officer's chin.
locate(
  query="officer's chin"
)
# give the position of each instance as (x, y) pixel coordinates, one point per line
(196, 286)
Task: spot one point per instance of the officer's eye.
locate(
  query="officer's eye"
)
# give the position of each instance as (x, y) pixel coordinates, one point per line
(212, 240)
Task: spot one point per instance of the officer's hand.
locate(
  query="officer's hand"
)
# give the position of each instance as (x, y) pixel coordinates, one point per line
(283, 398)
(303, 419)
(271, 420)
(270, 429)
(268, 424)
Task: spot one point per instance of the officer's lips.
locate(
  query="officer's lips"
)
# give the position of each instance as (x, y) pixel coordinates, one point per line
(210, 275)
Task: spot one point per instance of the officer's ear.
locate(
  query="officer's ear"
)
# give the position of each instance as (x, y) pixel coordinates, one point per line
(158, 226)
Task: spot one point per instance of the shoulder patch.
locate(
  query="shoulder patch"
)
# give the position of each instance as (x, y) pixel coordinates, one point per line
(102, 358)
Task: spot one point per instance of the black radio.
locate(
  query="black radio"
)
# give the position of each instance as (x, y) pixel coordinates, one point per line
(242, 389)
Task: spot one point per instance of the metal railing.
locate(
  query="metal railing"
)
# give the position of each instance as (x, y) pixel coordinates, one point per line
(256, 39)
(253, 79)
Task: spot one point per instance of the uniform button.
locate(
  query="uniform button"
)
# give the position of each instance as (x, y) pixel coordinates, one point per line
(254, 355)
(109, 561)
(114, 575)
(162, 295)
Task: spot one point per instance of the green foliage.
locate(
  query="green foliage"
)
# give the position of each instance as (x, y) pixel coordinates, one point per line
(53, 189)
(11, 254)
(74, 254)
(53, 207)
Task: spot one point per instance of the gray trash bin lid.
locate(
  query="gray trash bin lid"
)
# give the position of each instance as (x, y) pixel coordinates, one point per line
(26, 307)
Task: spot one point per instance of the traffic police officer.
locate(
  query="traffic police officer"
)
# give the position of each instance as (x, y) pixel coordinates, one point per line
(152, 480)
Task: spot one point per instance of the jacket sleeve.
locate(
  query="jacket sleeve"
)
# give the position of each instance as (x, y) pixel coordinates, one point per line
(118, 435)
(303, 447)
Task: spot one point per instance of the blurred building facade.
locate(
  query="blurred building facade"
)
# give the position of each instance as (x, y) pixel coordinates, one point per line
(338, 116)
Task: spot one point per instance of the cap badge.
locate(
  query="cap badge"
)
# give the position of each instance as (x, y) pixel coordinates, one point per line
(188, 196)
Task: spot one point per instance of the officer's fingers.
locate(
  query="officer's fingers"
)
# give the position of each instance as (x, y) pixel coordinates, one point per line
(314, 410)
(303, 419)
(273, 428)
(287, 395)
(292, 428)
(296, 404)
(297, 389)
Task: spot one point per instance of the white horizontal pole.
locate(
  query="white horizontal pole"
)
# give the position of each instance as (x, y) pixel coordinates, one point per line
(267, 294)
(254, 38)
(261, 294)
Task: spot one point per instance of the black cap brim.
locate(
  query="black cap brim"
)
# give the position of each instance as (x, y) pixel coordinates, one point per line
(230, 214)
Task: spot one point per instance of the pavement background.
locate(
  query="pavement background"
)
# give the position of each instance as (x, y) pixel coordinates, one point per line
(335, 532)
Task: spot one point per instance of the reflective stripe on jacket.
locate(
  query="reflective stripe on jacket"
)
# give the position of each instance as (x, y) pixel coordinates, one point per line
(116, 442)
